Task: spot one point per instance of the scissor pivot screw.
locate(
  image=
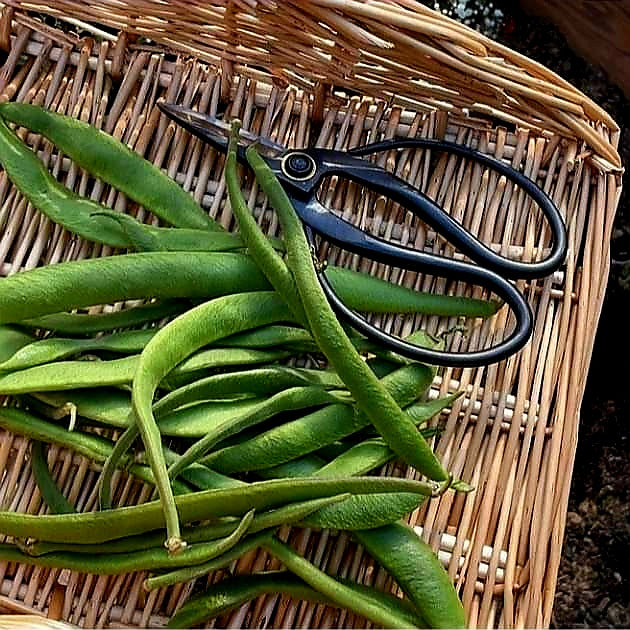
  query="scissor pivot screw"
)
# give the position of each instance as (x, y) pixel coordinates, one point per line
(298, 166)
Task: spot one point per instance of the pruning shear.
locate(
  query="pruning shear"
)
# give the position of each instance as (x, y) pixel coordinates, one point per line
(301, 172)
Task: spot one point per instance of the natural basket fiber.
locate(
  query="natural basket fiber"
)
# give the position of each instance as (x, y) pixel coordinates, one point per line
(341, 73)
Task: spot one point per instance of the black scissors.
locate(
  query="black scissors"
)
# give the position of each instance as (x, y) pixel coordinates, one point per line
(301, 172)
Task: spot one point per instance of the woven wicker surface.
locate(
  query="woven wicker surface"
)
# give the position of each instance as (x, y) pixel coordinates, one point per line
(415, 73)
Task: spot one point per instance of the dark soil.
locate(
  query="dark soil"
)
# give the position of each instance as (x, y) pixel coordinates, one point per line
(593, 589)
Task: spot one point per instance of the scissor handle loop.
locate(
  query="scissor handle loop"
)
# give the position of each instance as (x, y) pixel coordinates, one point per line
(451, 269)
(377, 179)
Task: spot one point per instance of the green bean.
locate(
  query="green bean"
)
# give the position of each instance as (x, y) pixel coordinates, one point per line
(80, 283)
(32, 179)
(378, 405)
(271, 263)
(246, 545)
(69, 375)
(150, 238)
(210, 358)
(262, 521)
(95, 527)
(91, 446)
(402, 300)
(55, 348)
(304, 466)
(112, 407)
(341, 594)
(259, 381)
(116, 564)
(288, 400)
(112, 161)
(372, 453)
(78, 374)
(417, 570)
(52, 496)
(195, 421)
(172, 344)
(272, 335)
(362, 511)
(309, 433)
(87, 324)
(235, 591)
(365, 511)
(12, 339)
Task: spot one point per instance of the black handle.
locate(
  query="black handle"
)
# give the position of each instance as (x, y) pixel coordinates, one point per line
(375, 178)
(443, 267)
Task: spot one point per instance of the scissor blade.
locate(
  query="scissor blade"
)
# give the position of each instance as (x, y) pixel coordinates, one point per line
(216, 132)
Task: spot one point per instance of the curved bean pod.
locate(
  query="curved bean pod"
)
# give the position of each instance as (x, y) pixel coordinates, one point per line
(341, 594)
(417, 570)
(247, 544)
(112, 161)
(171, 345)
(267, 520)
(87, 324)
(287, 400)
(116, 564)
(259, 381)
(235, 591)
(378, 405)
(96, 527)
(60, 204)
(56, 348)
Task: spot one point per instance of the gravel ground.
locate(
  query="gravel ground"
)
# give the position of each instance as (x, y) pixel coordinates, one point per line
(593, 588)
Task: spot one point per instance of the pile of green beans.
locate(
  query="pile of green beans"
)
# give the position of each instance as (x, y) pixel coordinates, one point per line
(197, 392)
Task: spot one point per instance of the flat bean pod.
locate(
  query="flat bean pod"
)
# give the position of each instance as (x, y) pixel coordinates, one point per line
(233, 592)
(401, 300)
(112, 161)
(116, 564)
(369, 454)
(80, 374)
(341, 594)
(56, 348)
(60, 204)
(417, 570)
(81, 283)
(96, 527)
(81, 324)
(268, 520)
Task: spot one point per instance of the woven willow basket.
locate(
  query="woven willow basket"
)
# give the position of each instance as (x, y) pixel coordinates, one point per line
(337, 74)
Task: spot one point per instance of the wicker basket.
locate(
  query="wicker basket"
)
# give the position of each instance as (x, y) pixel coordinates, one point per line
(340, 73)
